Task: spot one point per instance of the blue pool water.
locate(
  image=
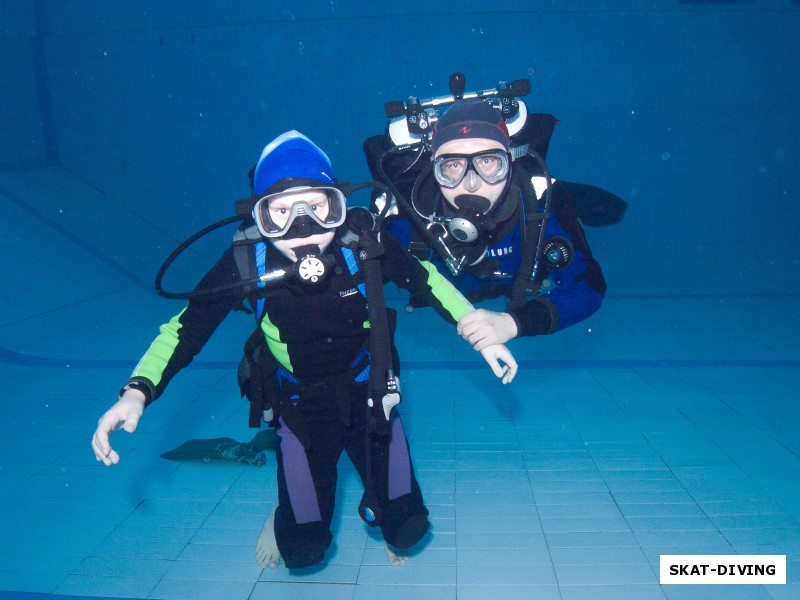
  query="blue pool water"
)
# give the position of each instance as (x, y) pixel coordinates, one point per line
(667, 423)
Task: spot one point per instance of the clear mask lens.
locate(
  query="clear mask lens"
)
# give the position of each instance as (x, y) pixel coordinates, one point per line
(492, 167)
(276, 213)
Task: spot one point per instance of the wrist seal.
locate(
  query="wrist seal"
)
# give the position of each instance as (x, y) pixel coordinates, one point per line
(142, 386)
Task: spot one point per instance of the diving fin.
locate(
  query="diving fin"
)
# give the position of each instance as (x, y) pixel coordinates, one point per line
(227, 449)
(595, 206)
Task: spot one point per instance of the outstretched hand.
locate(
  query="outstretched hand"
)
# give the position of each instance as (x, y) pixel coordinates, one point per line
(482, 328)
(125, 414)
(496, 353)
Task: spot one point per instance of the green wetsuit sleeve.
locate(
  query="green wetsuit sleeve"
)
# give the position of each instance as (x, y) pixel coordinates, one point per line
(422, 277)
(153, 364)
(451, 300)
(184, 335)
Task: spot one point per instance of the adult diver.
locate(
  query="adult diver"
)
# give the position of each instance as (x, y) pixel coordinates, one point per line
(474, 196)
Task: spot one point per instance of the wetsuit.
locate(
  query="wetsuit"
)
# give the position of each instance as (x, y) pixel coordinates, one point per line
(319, 340)
(567, 295)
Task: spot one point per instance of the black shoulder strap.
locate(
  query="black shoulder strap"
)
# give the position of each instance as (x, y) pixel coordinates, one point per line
(536, 214)
(250, 254)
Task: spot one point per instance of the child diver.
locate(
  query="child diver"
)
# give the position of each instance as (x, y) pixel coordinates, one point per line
(324, 356)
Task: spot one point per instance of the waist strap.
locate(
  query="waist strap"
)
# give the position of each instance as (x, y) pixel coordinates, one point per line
(294, 394)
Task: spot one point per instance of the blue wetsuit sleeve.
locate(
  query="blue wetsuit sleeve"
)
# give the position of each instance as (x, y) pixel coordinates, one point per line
(401, 229)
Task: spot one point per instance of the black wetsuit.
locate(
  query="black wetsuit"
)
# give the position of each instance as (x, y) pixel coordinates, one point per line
(319, 338)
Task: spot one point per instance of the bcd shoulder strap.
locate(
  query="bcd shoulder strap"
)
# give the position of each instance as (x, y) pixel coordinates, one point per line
(250, 254)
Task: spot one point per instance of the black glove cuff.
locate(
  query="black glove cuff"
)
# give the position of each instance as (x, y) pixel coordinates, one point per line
(537, 317)
(143, 386)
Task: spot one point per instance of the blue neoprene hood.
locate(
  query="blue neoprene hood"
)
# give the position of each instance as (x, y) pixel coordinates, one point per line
(291, 155)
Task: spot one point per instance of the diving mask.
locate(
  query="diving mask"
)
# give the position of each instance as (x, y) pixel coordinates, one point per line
(492, 166)
(300, 212)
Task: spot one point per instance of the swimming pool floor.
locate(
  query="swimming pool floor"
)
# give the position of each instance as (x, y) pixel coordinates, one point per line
(665, 424)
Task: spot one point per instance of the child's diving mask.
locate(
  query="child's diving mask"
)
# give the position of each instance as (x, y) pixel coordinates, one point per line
(300, 212)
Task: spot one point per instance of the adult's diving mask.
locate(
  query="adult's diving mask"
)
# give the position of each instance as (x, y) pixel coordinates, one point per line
(300, 211)
(492, 166)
